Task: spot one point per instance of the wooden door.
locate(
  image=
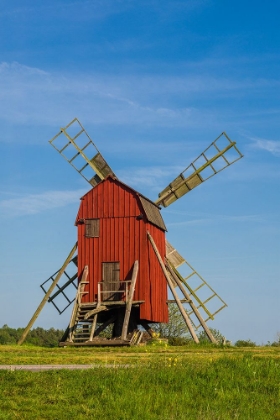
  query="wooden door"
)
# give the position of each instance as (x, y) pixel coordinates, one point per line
(111, 280)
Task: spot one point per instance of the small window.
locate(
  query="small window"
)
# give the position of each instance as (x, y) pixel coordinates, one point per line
(92, 228)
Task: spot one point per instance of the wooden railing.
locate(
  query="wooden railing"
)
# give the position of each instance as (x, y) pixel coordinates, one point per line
(123, 290)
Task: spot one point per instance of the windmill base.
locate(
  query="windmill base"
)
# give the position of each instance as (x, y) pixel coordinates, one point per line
(91, 320)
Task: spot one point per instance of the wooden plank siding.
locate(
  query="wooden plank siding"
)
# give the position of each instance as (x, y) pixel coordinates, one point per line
(122, 238)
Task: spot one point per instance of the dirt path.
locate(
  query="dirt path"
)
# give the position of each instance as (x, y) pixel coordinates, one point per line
(40, 368)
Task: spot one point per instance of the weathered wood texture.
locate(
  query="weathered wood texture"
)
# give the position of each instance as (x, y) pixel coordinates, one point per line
(111, 281)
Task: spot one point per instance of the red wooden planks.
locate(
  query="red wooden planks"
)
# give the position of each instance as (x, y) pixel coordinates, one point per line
(123, 238)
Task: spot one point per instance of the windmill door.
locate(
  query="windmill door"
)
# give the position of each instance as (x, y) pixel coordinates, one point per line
(111, 280)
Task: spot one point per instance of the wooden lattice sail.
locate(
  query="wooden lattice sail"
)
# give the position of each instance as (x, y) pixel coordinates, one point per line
(206, 300)
(80, 151)
(219, 155)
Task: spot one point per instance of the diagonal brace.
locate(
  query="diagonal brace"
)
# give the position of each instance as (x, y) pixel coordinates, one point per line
(47, 295)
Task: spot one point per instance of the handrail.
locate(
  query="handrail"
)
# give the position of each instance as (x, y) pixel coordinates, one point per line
(124, 291)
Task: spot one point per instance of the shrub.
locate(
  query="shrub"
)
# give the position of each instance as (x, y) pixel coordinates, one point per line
(179, 341)
(203, 337)
(245, 343)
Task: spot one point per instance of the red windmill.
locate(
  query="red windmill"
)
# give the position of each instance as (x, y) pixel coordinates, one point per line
(123, 264)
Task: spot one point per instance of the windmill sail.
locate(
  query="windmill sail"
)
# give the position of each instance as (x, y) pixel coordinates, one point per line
(79, 150)
(60, 298)
(204, 298)
(218, 156)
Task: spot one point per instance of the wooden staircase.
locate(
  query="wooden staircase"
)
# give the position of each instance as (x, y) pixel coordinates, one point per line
(83, 328)
(80, 333)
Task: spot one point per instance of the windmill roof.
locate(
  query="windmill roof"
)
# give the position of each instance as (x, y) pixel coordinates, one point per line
(150, 209)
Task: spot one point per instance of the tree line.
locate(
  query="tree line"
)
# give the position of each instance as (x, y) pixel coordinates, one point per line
(37, 336)
(174, 331)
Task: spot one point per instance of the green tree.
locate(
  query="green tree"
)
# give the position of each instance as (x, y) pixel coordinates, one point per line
(176, 326)
(37, 336)
(176, 330)
(276, 343)
(203, 337)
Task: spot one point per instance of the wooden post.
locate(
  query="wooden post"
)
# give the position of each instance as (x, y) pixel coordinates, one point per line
(176, 297)
(126, 291)
(72, 319)
(93, 325)
(129, 301)
(192, 305)
(94, 322)
(47, 295)
(99, 293)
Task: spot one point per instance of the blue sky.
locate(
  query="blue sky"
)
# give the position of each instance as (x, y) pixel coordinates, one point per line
(153, 82)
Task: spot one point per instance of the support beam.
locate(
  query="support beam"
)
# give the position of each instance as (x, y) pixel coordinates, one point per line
(192, 305)
(65, 335)
(94, 322)
(70, 281)
(104, 325)
(95, 311)
(172, 288)
(47, 295)
(129, 301)
(147, 327)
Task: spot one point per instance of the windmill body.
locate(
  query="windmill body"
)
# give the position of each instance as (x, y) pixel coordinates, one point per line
(112, 225)
(124, 266)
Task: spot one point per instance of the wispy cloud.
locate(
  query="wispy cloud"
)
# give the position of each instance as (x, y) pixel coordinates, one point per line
(30, 204)
(254, 218)
(33, 96)
(271, 146)
(29, 95)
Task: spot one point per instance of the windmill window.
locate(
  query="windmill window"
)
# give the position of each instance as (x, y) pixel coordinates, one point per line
(92, 228)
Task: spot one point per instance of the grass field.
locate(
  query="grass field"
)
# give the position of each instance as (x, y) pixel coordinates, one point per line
(160, 383)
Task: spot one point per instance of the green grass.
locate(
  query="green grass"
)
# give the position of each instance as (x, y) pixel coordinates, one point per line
(164, 383)
(134, 355)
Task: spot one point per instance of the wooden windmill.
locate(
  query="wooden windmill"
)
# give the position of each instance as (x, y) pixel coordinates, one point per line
(123, 264)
